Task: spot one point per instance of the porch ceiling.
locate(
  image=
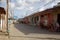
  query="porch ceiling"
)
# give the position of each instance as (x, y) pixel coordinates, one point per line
(2, 10)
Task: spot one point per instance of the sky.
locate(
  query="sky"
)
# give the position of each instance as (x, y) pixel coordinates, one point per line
(22, 8)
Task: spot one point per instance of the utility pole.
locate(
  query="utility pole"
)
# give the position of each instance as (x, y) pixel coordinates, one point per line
(7, 15)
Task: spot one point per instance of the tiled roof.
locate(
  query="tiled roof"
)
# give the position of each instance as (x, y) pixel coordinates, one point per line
(50, 10)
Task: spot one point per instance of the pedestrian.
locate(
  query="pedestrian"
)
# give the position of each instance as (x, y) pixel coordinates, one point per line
(45, 23)
(57, 27)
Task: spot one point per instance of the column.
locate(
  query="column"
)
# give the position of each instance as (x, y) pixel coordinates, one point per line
(1, 22)
(39, 18)
(39, 22)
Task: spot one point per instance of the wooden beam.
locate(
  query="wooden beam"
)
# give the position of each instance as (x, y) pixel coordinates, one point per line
(7, 15)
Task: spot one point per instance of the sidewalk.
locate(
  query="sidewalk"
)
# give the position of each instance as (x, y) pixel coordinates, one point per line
(3, 36)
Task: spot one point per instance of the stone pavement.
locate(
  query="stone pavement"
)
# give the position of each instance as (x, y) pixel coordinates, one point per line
(24, 32)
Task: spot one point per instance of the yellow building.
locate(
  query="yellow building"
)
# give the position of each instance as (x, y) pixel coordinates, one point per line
(3, 19)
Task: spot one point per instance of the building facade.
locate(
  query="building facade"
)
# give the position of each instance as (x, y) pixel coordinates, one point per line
(3, 19)
(47, 17)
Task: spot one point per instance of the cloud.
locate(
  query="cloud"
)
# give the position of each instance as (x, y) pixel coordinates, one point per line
(31, 8)
(3, 0)
(22, 2)
(20, 8)
(56, 1)
(11, 5)
(33, 1)
(49, 5)
(46, 1)
(41, 9)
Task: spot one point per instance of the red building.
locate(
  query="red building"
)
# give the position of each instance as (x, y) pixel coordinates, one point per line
(49, 16)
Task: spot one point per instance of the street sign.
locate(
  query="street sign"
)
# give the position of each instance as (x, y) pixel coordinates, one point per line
(15, 17)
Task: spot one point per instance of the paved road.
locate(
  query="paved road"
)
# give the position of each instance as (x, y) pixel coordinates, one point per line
(26, 32)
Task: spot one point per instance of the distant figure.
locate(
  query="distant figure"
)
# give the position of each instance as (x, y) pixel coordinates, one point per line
(56, 27)
(42, 24)
(45, 22)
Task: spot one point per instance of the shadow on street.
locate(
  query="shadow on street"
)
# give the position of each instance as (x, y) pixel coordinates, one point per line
(26, 29)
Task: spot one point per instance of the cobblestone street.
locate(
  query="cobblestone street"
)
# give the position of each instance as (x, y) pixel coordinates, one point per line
(25, 32)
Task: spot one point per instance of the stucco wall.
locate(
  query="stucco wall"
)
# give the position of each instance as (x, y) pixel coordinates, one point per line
(54, 17)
